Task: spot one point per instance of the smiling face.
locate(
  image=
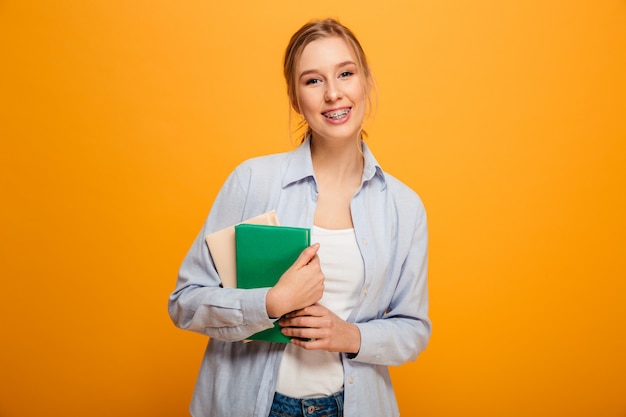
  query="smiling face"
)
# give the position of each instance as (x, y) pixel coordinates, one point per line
(331, 91)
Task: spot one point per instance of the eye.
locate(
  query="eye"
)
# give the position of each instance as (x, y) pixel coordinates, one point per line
(313, 81)
(346, 74)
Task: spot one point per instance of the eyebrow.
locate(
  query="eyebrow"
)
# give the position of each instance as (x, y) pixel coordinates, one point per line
(340, 65)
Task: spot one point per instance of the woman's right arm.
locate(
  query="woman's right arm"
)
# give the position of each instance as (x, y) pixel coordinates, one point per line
(199, 303)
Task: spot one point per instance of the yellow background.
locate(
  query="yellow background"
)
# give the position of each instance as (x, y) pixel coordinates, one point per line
(120, 120)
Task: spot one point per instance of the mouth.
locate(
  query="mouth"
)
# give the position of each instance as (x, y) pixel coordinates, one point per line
(336, 114)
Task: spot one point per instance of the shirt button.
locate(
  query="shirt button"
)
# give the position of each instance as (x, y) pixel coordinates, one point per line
(365, 291)
(350, 380)
(365, 241)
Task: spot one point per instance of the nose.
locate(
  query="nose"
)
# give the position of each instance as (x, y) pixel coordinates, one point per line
(333, 91)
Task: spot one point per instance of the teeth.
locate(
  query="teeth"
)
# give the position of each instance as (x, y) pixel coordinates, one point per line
(337, 114)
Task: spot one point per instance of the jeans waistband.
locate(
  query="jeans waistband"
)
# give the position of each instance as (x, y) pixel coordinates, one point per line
(332, 404)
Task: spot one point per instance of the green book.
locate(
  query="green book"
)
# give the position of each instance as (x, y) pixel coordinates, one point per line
(263, 254)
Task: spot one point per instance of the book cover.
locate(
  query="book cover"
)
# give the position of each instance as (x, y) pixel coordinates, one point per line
(222, 248)
(263, 254)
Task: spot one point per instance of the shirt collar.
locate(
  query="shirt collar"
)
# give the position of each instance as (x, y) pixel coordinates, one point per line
(300, 166)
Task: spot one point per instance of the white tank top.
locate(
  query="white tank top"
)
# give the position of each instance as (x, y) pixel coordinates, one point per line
(318, 373)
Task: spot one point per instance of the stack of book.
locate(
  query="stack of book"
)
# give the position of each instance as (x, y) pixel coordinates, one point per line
(255, 254)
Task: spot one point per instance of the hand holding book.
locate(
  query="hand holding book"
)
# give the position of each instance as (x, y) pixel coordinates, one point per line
(317, 327)
(300, 286)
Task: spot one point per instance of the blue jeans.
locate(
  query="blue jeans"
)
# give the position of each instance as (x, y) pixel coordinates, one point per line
(331, 406)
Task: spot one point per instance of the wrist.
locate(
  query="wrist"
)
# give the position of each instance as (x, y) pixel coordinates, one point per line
(273, 304)
(355, 342)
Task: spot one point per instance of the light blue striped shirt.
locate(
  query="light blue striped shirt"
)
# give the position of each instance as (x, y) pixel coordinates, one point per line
(239, 379)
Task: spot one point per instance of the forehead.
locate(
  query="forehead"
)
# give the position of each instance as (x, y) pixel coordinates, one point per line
(325, 53)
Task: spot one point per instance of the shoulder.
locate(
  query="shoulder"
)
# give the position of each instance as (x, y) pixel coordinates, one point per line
(402, 193)
(286, 167)
(397, 191)
(265, 166)
(406, 209)
(270, 161)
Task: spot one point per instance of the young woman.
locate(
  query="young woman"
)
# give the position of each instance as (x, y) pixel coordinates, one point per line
(355, 301)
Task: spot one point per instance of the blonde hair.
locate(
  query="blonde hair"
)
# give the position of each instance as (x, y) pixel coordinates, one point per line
(311, 31)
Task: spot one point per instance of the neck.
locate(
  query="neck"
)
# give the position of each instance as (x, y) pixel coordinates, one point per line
(337, 160)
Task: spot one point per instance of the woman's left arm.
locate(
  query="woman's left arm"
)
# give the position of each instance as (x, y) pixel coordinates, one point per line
(404, 330)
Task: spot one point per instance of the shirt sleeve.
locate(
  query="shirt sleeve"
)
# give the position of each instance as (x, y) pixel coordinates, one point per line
(404, 329)
(199, 303)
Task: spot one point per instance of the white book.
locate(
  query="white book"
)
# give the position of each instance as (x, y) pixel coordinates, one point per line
(222, 248)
